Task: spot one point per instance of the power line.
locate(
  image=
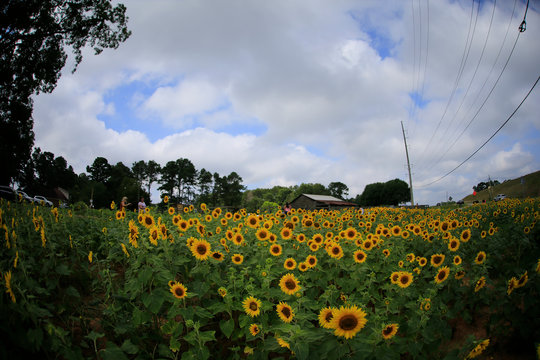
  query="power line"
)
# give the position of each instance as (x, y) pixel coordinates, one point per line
(491, 137)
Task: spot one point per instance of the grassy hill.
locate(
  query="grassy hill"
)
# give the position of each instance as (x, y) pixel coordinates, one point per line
(511, 188)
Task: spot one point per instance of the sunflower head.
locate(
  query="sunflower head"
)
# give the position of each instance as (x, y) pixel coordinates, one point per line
(178, 289)
(254, 329)
(389, 331)
(359, 256)
(285, 312)
(252, 306)
(288, 284)
(348, 321)
(325, 317)
(442, 275)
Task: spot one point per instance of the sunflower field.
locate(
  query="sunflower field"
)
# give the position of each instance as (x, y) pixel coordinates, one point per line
(199, 283)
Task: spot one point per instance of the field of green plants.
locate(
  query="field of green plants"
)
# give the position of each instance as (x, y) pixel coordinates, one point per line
(198, 283)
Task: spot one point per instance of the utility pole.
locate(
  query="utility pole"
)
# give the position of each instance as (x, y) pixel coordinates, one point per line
(408, 163)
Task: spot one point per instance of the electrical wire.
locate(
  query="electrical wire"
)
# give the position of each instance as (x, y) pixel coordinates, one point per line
(491, 137)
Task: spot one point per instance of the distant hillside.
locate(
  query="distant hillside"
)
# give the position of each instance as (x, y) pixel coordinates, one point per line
(511, 188)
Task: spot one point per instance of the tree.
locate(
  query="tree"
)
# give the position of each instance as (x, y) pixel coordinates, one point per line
(34, 37)
(338, 189)
(391, 192)
(232, 189)
(484, 185)
(100, 170)
(153, 169)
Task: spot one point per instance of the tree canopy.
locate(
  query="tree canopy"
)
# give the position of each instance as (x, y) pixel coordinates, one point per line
(391, 192)
(34, 36)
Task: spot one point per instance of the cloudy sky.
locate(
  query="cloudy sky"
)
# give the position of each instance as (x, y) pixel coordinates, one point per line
(293, 91)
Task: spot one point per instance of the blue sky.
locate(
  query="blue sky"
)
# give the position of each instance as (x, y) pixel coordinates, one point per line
(283, 93)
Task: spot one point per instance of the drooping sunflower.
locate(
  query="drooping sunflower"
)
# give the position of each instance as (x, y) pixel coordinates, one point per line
(359, 256)
(405, 279)
(254, 329)
(389, 331)
(237, 259)
(480, 258)
(348, 321)
(275, 249)
(311, 261)
(252, 306)
(285, 312)
(178, 289)
(442, 275)
(282, 343)
(222, 291)
(437, 260)
(325, 317)
(459, 275)
(154, 235)
(480, 283)
(522, 279)
(289, 284)
(478, 349)
(201, 249)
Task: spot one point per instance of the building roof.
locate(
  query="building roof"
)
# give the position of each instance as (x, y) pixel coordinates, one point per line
(327, 199)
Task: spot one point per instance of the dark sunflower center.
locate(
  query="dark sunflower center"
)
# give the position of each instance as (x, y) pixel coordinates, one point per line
(335, 250)
(480, 257)
(360, 256)
(311, 261)
(441, 275)
(328, 316)
(275, 250)
(253, 306)
(216, 255)
(179, 291)
(289, 264)
(201, 249)
(437, 259)
(148, 221)
(348, 322)
(290, 284)
(404, 279)
(395, 277)
(387, 331)
(286, 312)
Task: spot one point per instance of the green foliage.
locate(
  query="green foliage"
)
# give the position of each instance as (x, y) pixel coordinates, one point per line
(120, 302)
(392, 192)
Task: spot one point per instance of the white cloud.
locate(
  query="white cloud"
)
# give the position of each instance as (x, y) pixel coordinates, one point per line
(329, 106)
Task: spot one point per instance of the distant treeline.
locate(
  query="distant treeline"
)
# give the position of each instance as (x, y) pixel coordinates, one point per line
(182, 182)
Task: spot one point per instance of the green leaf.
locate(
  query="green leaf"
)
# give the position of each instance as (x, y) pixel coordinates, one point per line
(71, 291)
(206, 336)
(227, 327)
(129, 347)
(174, 344)
(145, 275)
(63, 269)
(301, 349)
(94, 335)
(113, 352)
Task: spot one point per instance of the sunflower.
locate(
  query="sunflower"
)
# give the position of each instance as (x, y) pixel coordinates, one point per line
(325, 316)
(386, 252)
(148, 221)
(437, 260)
(522, 279)
(465, 235)
(359, 256)
(442, 275)
(237, 259)
(453, 244)
(395, 230)
(154, 235)
(289, 264)
(367, 244)
(389, 331)
(285, 312)
(405, 234)
(422, 261)
(394, 277)
(289, 284)
(275, 249)
(311, 261)
(178, 289)
(222, 291)
(166, 199)
(303, 266)
(262, 234)
(405, 279)
(350, 233)
(282, 342)
(410, 257)
(335, 251)
(459, 275)
(313, 246)
(480, 284)
(254, 329)
(480, 258)
(286, 233)
(300, 238)
(457, 260)
(252, 306)
(252, 221)
(200, 249)
(478, 349)
(347, 321)
(216, 255)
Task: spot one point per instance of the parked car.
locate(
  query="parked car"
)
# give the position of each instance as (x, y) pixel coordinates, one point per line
(500, 197)
(7, 193)
(42, 200)
(25, 196)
